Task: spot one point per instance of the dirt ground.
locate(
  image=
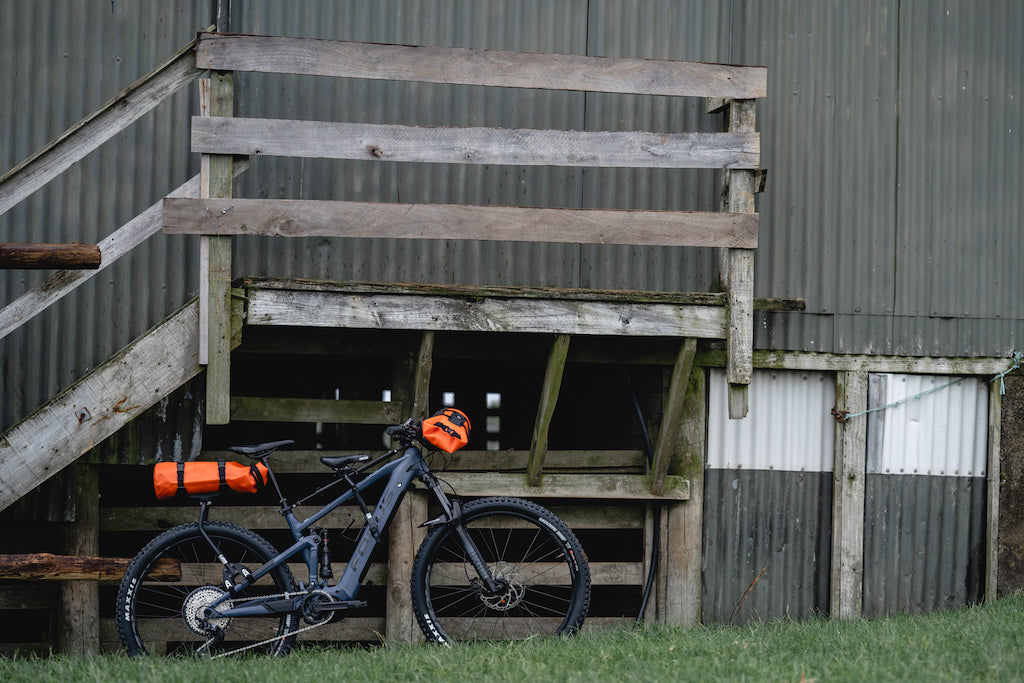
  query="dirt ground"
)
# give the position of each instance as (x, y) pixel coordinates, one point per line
(1011, 486)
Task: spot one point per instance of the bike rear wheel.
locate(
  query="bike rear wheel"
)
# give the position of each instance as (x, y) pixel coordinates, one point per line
(543, 572)
(170, 582)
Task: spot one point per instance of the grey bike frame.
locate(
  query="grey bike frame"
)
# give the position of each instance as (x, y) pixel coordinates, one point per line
(400, 473)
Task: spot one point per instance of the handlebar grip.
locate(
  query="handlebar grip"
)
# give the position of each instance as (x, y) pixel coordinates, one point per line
(391, 431)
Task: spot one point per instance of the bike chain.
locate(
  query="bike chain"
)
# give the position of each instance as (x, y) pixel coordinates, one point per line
(209, 642)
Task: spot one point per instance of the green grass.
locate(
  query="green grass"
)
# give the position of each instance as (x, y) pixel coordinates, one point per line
(981, 643)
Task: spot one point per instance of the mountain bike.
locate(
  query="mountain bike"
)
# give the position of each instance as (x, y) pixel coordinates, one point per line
(491, 568)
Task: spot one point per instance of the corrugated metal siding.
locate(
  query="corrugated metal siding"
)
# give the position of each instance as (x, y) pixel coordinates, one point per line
(943, 433)
(919, 263)
(961, 138)
(768, 499)
(924, 522)
(779, 522)
(789, 426)
(924, 543)
(62, 62)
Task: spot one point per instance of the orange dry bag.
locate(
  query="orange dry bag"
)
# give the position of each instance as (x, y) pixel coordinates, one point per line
(447, 429)
(183, 478)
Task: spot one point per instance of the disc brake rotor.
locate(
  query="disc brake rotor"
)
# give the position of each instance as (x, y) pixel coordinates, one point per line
(514, 591)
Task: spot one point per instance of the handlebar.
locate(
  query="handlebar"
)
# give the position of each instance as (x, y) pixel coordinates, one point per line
(410, 430)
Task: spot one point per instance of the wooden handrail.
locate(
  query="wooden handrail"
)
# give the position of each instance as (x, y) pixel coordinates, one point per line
(95, 129)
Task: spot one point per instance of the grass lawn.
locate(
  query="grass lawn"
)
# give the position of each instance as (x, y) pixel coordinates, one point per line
(980, 643)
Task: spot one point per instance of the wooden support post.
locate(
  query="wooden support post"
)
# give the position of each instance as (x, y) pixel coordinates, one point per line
(546, 408)
(405, 535)
(849, 473)
(80, 601)
(215, 275)
(685, 521)
(672, 416)
(995, 410)
(737, 270)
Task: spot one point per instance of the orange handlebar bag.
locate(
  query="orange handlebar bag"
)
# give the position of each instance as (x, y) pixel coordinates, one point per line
(184, 478)
(448, 429)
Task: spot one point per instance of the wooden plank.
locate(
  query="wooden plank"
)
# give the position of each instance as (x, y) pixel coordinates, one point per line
(262, 517)
(259, 409)
(215, 276)
(552, 383)
(395, 312)
(421, 377)
(627, 462)
(601, 486)
(92, 131)
(847, 590)
(404, 537)
(672, 415)
(479, 67)
(799, 360)
(113, 247)
(740, 273)
(78, 622)
(99, 404)
(995, 403)
(489, 146)
(50, 567)
(75, 256)
(686, 520)
(321, 218)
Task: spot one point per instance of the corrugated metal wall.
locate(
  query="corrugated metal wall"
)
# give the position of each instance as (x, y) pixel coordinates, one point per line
(924, 511)
(890, 133)
(768, 499)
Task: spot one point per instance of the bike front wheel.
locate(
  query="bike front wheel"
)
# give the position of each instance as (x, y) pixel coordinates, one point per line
(541, 571)
(162, 599)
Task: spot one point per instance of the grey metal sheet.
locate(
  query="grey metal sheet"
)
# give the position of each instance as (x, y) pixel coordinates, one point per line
(778, 522)
(924, 543)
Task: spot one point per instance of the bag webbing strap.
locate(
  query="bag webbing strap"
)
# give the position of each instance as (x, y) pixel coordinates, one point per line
(222, 475)
(181, 480)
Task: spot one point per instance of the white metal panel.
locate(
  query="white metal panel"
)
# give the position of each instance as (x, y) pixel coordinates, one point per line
(943, 433)
(789, 426)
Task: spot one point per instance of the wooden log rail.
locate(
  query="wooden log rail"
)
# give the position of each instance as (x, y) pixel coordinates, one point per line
(50, 567)
(72, 256)
(217, 134)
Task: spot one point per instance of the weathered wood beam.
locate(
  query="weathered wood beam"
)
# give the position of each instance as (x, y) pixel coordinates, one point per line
(549, 390)
(260, 409)
(479, 67)
(738, 268)
(74, 256)
(99, 404)
(488, 146)
(801, 360)
(92, 131)
(606, 486)
(50, 567)
(321, 218)
(995, 403)
(217, 177)
(849, 475)
(397, 312)
(672, 415)
(78, 630)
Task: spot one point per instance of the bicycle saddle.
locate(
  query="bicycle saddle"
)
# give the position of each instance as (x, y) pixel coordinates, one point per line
(260, 448)
(339, 461)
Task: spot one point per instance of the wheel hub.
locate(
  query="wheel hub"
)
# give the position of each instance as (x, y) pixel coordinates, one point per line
(513, 592)
(193, 611)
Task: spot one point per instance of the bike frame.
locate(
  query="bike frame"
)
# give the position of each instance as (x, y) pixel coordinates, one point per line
(399, 473)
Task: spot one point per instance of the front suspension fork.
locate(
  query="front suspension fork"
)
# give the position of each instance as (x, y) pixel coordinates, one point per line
(452, 516)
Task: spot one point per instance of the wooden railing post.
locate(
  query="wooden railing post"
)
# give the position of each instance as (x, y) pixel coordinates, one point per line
(80, 600)
(412, 386)
(215, 271)
(546, 408)
(849, 471)
(737, 269)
